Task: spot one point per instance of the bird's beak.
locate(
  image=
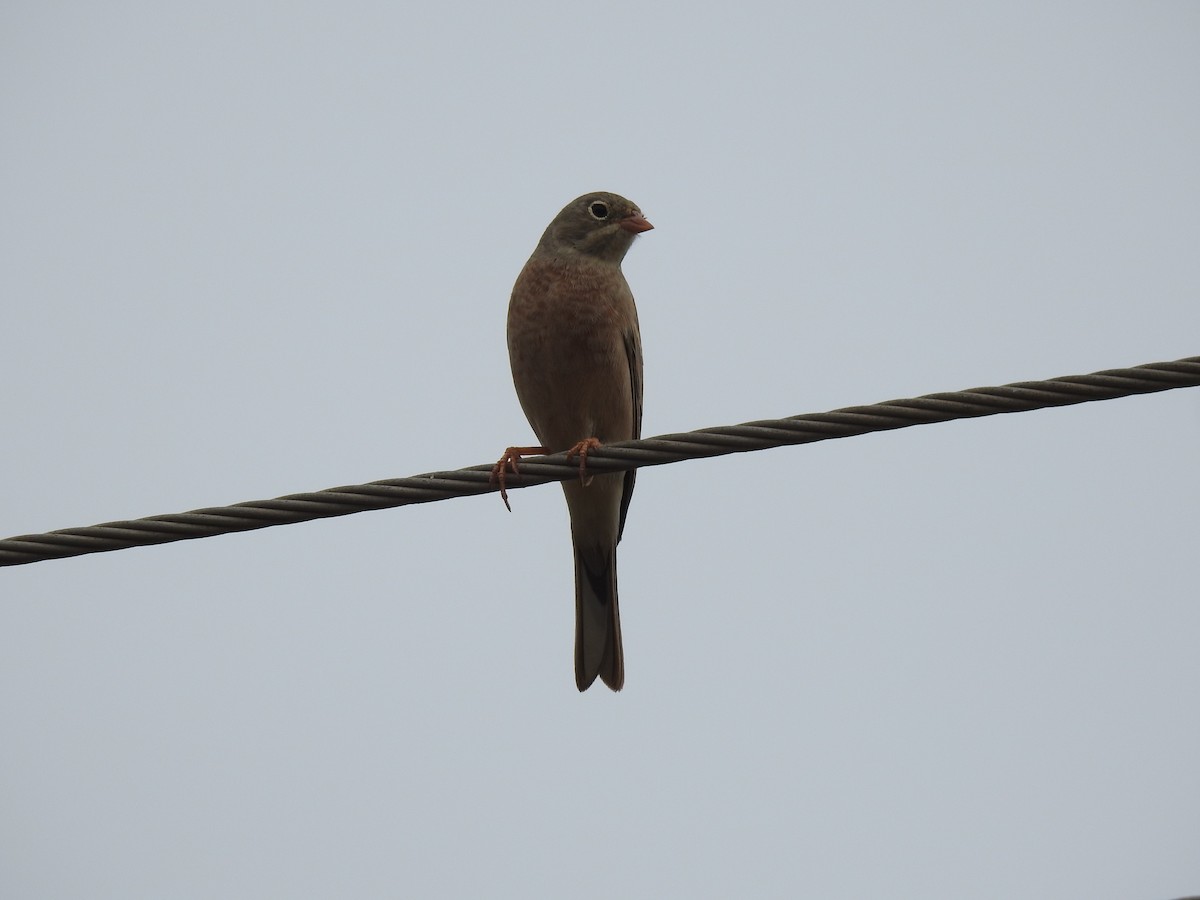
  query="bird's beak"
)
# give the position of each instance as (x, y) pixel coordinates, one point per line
(635, 223)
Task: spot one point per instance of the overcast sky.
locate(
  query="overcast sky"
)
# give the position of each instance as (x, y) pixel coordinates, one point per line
(249, 249)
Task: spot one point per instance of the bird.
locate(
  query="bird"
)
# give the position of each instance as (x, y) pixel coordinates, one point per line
(576, 355)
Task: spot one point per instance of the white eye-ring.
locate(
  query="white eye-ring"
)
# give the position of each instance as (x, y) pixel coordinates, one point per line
(598, 209)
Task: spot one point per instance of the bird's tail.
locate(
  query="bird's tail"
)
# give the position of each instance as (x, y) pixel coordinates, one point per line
(597, 621)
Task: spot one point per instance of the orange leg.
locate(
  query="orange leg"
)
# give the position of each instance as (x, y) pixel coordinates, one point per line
(581, 450)
(509, 460)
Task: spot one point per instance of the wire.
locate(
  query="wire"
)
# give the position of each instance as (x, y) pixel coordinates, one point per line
(669, 448)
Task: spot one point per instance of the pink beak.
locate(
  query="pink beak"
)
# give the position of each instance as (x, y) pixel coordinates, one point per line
(635, 223)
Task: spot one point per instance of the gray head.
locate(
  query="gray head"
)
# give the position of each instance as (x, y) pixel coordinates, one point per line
(599, 224)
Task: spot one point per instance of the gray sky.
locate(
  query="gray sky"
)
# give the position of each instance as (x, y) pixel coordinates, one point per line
(254, 249)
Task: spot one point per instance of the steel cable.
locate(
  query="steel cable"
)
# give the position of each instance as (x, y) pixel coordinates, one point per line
(656, 451)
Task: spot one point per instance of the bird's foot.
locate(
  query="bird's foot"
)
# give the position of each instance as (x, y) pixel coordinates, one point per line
(507, 461)
(581, 450)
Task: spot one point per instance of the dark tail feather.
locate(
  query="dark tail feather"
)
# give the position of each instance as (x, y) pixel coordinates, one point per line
(597, 621)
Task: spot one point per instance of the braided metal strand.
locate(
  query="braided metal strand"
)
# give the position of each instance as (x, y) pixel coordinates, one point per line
(656, 451)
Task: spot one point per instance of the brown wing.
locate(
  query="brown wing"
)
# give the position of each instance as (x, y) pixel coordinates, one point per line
(633, 355)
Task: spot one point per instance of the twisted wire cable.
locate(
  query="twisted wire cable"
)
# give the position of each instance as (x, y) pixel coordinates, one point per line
(668, 448)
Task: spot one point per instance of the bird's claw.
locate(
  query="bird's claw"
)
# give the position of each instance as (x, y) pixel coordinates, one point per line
(581, 450)
(509, 460)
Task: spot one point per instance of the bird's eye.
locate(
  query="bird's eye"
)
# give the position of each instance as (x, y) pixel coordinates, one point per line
(598, 209)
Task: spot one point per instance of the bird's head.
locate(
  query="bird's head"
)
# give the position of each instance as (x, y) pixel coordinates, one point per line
(598, 224)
